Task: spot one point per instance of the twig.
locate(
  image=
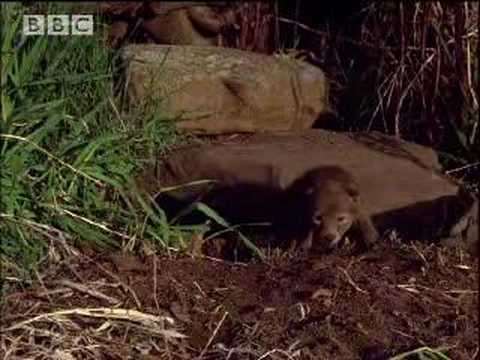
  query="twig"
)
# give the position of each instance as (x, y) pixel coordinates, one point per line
(86, 290)
(42, 284)
(405, 93)
(90, 222)
(213, 335)
(155, 282)
(348, 40)
(117, 278)
(108, 313)
(273, 351)
(48, 231)
(53, 157)
(351, 282)
(465, 167)
(197, 285)
(181, 186)
(424, 349)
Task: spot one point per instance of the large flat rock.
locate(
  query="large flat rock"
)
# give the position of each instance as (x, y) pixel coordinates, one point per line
(400, 181)
(215, 90)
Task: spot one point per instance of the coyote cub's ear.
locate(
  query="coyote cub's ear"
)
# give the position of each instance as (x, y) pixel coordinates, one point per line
(332, 209)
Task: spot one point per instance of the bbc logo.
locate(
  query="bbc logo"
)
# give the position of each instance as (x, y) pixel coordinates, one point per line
(61, 25)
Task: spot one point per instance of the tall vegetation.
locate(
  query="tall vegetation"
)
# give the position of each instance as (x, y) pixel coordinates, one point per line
(409, 69)
(67, 152)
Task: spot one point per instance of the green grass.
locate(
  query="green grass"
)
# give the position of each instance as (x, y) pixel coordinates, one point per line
(67, 155)
(69, 152)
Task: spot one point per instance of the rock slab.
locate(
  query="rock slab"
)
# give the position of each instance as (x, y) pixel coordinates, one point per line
(214, 90)
(400, 181)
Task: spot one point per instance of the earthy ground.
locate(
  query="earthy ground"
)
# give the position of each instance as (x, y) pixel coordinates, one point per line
(291, 307)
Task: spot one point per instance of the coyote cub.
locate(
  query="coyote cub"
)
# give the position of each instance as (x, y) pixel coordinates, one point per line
(325, 207)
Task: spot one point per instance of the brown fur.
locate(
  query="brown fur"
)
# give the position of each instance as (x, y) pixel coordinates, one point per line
(328, 200)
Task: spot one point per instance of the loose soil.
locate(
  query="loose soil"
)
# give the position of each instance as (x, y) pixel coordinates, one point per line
(336, 306)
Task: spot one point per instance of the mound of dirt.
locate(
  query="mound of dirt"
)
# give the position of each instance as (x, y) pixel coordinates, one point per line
(291, 307)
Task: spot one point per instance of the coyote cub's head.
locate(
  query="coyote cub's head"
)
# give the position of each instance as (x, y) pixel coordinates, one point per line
(333, 212)
(333, 209)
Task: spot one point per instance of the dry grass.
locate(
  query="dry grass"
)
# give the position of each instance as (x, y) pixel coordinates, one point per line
(408, 69)
(253, 30)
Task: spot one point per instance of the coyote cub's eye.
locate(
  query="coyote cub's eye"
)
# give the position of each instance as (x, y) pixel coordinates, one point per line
(342, 219)
(317, 219)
